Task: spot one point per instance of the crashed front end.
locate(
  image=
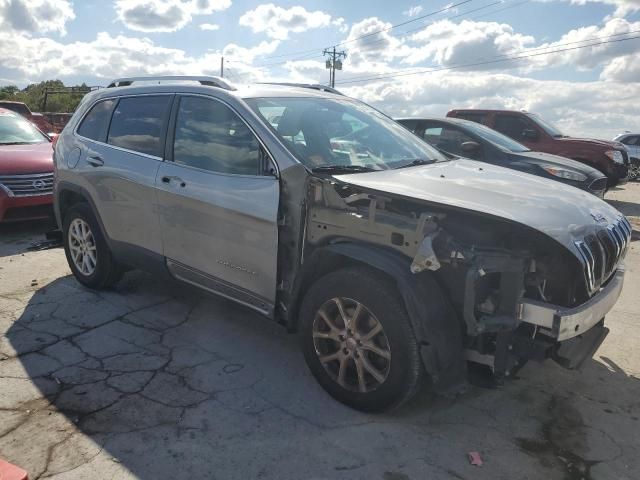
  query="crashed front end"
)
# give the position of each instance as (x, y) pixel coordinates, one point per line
(517, 293)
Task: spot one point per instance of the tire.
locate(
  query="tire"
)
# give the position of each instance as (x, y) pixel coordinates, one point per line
(397, 378)
(101, 270)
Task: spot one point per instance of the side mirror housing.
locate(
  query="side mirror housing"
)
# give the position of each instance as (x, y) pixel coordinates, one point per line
(530, 134)
(470, 147)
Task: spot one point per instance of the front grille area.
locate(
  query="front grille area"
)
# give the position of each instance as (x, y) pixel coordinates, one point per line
(603, 251)
(598, 185)
(27, 185)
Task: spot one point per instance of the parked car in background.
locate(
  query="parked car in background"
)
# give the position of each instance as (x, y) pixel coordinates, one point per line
(394, 263)
(38, 119)
(26, 170)
(631, 142)
(610, 158)
(464, 138)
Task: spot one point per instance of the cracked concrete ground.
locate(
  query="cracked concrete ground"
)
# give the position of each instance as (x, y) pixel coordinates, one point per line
(156, 380)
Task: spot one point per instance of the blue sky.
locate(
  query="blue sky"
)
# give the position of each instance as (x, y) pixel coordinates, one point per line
(590, 90)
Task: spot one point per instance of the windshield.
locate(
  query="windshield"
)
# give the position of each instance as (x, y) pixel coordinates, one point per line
(15, 130)
(546, 126)
(327, 132)
(496, 138)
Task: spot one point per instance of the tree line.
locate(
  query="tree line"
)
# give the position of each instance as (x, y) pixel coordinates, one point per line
(59, 97)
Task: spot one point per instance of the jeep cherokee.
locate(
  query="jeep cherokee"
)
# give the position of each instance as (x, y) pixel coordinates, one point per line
(393, 263)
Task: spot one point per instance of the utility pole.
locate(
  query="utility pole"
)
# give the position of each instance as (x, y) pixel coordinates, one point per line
(334, 63)
(221, 67)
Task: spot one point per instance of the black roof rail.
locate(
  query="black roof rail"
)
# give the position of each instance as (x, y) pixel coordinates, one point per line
(314, 86)
(203, 80)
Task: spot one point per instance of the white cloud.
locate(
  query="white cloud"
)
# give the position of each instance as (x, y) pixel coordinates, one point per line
(561, 102)
(277, 22)
(377, 45)
(413, 11)
(623, 69)
(209, 27)
(591, 57)
(621, 7)
(448, 43)
(36, 15)
(164, 15)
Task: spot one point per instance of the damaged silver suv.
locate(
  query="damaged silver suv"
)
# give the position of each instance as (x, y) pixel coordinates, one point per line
(394, 264)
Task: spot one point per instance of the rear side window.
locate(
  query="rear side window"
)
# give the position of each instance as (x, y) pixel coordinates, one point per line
(96, 122)
(138, 124)
(211, 136)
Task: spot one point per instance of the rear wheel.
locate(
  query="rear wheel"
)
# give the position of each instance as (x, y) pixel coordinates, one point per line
(87, 251)
(358, 342)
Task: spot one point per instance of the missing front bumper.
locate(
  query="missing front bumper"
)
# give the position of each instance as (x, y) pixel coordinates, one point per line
(562, 323)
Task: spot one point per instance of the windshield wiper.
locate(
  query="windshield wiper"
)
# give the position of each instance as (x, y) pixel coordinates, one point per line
(14, 143)
(343, 168)
(416, 162)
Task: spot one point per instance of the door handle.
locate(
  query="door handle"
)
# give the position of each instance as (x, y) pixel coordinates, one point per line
(95, 161)
(170, 178)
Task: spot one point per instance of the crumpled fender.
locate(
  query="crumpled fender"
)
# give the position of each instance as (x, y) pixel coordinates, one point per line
(434, 322)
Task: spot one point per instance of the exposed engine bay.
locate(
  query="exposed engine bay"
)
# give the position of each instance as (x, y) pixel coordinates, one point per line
(486, 266)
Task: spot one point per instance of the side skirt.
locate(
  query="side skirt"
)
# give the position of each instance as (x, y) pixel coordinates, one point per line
(220, 287)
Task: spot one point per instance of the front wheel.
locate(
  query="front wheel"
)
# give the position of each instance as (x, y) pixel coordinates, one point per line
(86, 249)
(358, 342)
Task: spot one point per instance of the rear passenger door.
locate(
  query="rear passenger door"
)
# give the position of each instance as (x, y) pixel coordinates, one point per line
(122, 148)
(218, 204)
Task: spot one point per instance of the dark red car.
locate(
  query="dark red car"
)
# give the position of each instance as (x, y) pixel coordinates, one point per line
(38, 119)
(26, 170)
(611, 158)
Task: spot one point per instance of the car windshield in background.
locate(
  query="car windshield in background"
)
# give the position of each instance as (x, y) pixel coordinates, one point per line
(546, 126)
(15, 130)
(329, 133)
(495, 137)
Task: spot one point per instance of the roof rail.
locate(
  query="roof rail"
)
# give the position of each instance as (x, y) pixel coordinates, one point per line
(314, 86)
(204, 80)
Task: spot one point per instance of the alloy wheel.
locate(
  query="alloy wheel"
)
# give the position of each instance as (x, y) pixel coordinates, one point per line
(351, 345)
(82, 246)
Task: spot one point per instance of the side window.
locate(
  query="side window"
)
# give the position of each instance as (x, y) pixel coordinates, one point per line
(512, 126)
(138, 124)
(96, 122)
(631, 140)
(451, 140)
(409, 124)
(432, 134)
(211, 136)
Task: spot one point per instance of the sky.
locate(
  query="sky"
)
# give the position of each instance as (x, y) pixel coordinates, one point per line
(575, 62)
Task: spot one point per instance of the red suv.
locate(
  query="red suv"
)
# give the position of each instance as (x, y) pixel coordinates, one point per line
(26, 170)
(611, 158)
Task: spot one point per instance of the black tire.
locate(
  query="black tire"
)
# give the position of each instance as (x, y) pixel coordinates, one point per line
(380, 297)
(107, 271)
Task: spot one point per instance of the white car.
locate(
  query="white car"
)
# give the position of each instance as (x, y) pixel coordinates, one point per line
(631, 141)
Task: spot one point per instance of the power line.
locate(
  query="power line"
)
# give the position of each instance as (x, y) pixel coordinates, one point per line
(495, 60)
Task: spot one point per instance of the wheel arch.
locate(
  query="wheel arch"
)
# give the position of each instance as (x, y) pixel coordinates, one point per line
(435, 324)
(67, 195)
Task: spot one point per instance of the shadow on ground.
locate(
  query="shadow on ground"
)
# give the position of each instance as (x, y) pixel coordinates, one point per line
(153, 380)
(17, 237)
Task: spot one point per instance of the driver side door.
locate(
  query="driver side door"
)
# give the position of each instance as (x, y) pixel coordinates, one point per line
(218, 204)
